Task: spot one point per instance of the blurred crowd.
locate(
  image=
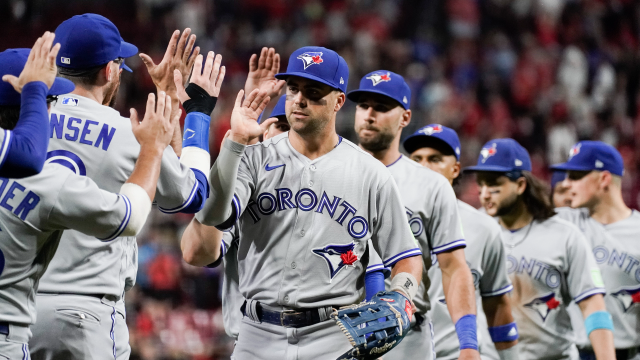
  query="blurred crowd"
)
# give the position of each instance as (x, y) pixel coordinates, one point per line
(545, 72)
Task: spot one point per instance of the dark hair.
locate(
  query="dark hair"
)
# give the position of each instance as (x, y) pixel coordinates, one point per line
(536, 197)
(85, 77)
(9, 115)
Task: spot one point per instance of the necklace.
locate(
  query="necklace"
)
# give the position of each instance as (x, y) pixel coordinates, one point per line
(513, 245)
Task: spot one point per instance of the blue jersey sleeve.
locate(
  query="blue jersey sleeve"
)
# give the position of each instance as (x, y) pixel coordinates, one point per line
(24, 149)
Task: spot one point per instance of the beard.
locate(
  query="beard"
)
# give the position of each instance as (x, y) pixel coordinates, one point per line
(111, 94)
(379, 142)
(508, 206)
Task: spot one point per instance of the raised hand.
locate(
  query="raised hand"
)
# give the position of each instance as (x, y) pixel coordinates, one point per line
(40, 66)
(244, 118)
(262, 73)
(178, 56)
(209, 79)
(157, 127)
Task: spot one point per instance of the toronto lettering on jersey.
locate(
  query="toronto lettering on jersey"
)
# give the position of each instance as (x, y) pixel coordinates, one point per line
(620, 259)
(15, 199)
(307, 200)
(536, 269)
(82, 131)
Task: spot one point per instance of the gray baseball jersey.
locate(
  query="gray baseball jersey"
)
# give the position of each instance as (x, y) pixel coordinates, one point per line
(617, 252)
(432, 209)
(232, 299)
(95, 141)
(487, 260)
(304, 225)
(550, 264)
(33, 211)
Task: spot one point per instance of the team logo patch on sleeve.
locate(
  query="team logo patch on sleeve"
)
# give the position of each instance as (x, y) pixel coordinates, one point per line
(544, 305)
(377, 78)
(337, 257)
(311, 58)
(628, 297)
(488, 152)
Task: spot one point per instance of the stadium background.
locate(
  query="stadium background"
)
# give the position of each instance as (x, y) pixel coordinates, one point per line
(545, 72)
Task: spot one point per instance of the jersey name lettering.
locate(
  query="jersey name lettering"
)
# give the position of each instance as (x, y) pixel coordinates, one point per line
(307, 200)
(14, 198)
(87, 132)
(537, 270)
(620, 259)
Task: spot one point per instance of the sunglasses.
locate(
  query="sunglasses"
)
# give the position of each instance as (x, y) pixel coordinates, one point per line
(51, 98)
(576, 175)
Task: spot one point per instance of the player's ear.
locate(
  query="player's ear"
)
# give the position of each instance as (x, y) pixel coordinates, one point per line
(605, 179)
(340, 100)
(109, 71)
(456, 169)
(406, 118)
(521, 185)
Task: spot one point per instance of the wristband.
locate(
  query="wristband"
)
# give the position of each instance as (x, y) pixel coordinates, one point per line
(199, 101)
(598, 320)
(405, 283)
(196, 131)
(373, 283)
(504, 333)
(467, 330)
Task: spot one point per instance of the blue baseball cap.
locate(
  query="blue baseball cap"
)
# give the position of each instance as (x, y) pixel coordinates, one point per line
(318, 64)
(432, 134)
(593, 155)
(12, 62)
(502, 155)
(385, 83)
(90, 40)
(556, 177)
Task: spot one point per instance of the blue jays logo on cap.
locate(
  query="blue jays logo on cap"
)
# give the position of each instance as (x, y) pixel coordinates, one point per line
(628, 297)
(311, 58)
(544, 305)
(488, 152)
(337, 257)
(432, 129)
(575, 150)
(377, 78)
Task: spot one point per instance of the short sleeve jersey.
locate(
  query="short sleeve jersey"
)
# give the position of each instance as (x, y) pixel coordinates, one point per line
(432, 211)
(33, 213)
(95, 141)
(550, 264)
(616, 248)
(487, 261)
(304, 224)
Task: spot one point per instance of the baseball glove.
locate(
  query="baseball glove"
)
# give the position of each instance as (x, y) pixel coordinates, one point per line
(374, 327)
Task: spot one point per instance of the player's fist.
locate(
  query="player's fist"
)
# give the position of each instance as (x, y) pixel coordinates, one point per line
(244, 118)
(40, 66)
(469, 354)
(156, 129)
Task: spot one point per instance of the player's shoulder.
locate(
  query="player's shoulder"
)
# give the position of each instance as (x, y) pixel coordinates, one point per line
(477, 221)
(412, 169)
(85, 108)
(572, 215)
(356, 155)
(562, 227)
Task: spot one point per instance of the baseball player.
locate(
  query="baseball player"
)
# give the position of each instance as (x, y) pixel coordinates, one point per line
(560, 195)
(383, 110)
(548, 259)
(438, 148)
(34, 211)
(89, 278)
(306, 203)
(594, 175)
(23, 149)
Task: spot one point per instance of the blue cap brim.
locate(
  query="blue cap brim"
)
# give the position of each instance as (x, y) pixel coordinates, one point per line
(61, 86)
(355, 94)
(127, 49)
(493, 168)
(283, 76)
(569, 167)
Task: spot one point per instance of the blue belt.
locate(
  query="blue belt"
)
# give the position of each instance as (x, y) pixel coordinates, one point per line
(287, 318)
(4, 328)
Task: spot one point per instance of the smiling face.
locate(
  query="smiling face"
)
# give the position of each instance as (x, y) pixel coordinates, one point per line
(311, 105)
(379, 120)
(437, 161)
(498, 195)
